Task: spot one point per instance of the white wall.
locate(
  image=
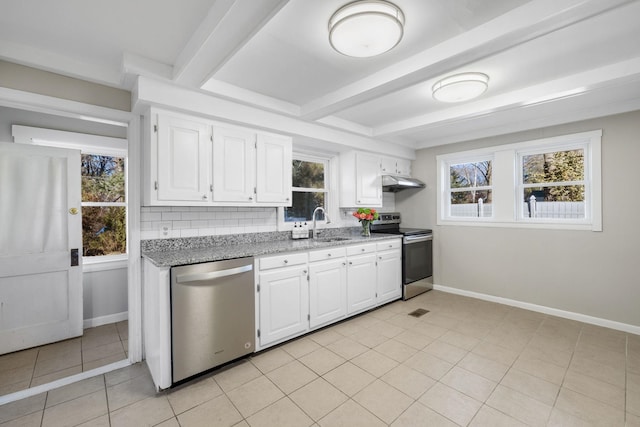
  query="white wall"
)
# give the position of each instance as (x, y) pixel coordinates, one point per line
(105, 295)
(591, 273)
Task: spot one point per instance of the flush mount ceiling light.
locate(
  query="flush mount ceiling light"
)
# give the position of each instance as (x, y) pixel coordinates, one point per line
(366, 28)
(460, 87)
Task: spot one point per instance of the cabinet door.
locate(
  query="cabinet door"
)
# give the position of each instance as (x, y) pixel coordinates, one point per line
(284, 303)
(389, 279)
(368, 182)
(183, 159)
(388, 166)
(327, 291)
(274, 170)
(233, 165)
(361, 282)
(403, 167)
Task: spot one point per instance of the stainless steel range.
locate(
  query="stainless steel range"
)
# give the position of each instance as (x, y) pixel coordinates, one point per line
(417, 253)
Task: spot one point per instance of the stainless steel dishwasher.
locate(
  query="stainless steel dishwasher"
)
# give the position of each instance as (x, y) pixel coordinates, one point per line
(212, 315)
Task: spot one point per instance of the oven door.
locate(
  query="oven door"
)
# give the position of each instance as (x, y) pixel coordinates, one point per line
(417, 260)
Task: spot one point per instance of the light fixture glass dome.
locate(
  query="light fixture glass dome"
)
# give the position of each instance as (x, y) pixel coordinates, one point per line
(460, 87)
(366, 28)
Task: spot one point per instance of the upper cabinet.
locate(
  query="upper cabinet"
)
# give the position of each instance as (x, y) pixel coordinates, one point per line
(391, 166)
(360, 182)
(183, 169)
(191, 161)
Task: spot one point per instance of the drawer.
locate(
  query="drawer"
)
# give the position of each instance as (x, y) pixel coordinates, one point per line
(366, 248)
(285, 260)
(325, 254)
(389, 244)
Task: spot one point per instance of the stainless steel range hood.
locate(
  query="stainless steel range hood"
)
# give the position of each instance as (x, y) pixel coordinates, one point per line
(393, 184)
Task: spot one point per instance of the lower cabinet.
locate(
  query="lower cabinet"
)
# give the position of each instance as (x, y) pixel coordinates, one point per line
(283, 297)
(327, 291)
(302, 291)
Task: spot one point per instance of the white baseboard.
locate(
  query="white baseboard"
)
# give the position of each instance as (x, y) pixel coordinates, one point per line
(543, 309)
(105, 320)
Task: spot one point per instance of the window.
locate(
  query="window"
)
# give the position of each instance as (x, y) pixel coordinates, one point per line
(104, 230)
(470, 189)
(547, 183)
(552, 184)
(309, 186)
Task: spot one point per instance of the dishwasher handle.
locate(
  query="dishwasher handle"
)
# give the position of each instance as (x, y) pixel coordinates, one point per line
(198, 277)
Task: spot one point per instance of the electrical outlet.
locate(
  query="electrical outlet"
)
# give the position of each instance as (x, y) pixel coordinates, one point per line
(164, 229)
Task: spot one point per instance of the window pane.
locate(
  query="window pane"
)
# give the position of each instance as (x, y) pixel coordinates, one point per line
(559, 166)
(307, 174)
(303, 206)
(103, 230)
(554, 202)
(471, 204)
(470, 174)
(102, 178)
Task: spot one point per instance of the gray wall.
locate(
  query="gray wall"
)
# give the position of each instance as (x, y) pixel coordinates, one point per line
(592, 273)
(104, 293)
(20, 77)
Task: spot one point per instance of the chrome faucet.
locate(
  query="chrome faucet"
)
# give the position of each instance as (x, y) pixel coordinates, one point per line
(319, 208)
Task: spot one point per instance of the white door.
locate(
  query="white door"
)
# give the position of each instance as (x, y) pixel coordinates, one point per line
(40, 279)
(234, 165)
(361, 282)
(327, 291)
(389, 275)
(183, 159)
(284, 303)
(274, 170)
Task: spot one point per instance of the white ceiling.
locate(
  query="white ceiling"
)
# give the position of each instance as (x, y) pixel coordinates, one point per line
(549, 61)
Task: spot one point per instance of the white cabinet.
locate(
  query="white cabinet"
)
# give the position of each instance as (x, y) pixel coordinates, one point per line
(389, 266)
(327, 287)
(182, 167)
(233, 165)
(283, 297)
(361, 277)
(190, 161)
(392, 166)
(360, 181)
(274, 155)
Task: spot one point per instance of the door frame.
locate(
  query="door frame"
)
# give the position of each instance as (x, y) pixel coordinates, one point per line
(37, 103)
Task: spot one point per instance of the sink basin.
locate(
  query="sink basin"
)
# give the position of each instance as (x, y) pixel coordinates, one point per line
(332, 239)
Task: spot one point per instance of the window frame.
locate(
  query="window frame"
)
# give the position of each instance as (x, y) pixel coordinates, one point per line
(507, 206)
(86, 144)
(328, 189)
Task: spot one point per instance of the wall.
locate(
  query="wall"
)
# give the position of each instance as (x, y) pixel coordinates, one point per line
(20, 77)
(104, 292)
(591, 273)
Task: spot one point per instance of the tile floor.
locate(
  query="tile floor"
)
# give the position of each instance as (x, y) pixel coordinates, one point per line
(466, 362)
(97, 347)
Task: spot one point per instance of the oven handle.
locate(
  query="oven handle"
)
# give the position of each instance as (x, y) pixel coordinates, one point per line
(408, 240)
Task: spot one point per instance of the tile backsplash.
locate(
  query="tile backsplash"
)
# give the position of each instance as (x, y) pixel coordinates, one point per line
(170, 222)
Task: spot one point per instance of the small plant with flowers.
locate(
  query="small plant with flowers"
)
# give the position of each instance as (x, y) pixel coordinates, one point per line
(365, 216)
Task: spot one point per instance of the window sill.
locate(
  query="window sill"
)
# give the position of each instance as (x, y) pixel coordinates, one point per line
(520, 224)
(104, 263)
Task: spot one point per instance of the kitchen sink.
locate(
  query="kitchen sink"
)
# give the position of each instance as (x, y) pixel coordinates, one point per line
(332, 239)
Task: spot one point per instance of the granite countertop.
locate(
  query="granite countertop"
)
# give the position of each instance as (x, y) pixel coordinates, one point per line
(172, 256)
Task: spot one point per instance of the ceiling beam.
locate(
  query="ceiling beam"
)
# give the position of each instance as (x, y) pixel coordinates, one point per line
(229, 24)
(518, 26)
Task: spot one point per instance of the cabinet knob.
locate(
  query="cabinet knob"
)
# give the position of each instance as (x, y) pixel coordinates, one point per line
(250, 198)
(379, 257)
(304, 271)
(287, 199)
(328, 254)
(363, 249)
(344, 263)
(350, 263)
(286, 261)
(204, 197)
